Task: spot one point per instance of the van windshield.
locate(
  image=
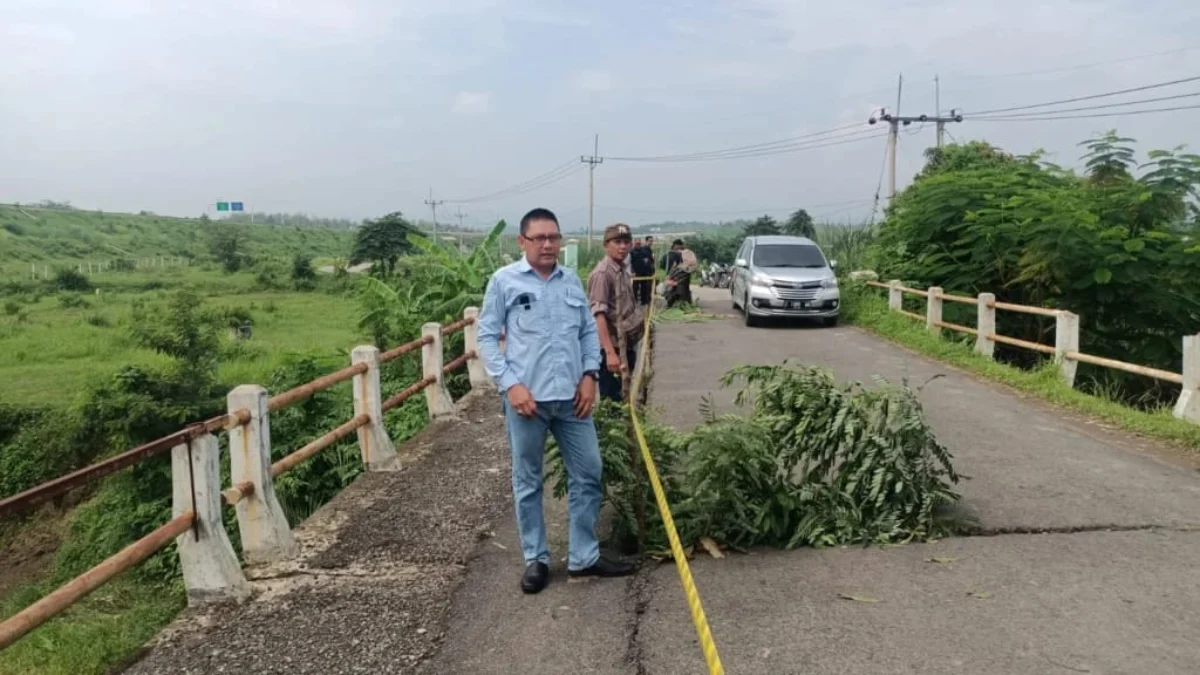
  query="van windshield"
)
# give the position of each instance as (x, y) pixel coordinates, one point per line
(788, 255)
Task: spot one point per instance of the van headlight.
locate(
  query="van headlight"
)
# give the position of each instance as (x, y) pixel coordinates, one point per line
(831, 282)
(760, 281)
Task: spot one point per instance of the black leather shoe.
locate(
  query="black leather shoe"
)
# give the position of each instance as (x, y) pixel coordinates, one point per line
(535, 577)
(604, 568)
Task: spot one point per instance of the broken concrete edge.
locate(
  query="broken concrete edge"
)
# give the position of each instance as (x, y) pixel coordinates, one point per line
(310, 537)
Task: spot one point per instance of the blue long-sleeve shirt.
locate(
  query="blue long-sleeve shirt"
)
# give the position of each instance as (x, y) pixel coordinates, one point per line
(550, 336)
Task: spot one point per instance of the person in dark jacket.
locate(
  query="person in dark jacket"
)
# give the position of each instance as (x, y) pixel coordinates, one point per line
(641, 258)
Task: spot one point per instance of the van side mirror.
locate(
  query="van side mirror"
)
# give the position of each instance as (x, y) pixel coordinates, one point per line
(740, 262)
(833, 264)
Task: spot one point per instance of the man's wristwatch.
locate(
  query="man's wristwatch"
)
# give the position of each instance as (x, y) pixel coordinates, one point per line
(594, 374)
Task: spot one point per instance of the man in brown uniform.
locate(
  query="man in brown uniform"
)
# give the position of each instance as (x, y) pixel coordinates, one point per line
(619, 318)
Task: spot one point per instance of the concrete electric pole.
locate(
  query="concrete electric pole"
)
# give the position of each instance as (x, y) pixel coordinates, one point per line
(460, 215)
(433, 204)
(895, 121)
(592, 162)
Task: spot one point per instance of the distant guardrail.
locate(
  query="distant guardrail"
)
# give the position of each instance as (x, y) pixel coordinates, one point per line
(211, 570)
(1065, 349)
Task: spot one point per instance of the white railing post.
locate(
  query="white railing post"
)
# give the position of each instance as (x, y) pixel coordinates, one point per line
(266, 535)
(211, 571)
(373, 441)
(1188, 406)
(933, 309)
(985, 323)
(895, 296)
(475, 369)
(1066, 340)
(437, 399)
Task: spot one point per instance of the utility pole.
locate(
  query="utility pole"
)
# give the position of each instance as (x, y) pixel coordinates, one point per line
(460, 215)
(592, 162)
(896, 120)
(433, 204)
(937, 109)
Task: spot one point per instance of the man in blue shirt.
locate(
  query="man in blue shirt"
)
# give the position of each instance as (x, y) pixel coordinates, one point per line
(547, 374)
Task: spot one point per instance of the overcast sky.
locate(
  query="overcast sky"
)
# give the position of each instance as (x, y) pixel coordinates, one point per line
(354, 108)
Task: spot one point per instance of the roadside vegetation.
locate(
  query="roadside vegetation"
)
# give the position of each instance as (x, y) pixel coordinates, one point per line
(809, 463)
(96, 373)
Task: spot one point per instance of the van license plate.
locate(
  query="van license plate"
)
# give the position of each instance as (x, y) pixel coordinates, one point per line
(797, 304)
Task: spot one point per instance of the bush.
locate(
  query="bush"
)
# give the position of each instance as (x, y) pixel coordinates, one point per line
(814, 464)
(11, 307)
(71, 280)
(72, 301)
(97, 320)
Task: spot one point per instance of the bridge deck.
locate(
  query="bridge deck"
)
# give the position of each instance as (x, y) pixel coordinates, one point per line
(1089, 566)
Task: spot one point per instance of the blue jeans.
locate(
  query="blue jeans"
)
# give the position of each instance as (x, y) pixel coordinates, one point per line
(581, 452)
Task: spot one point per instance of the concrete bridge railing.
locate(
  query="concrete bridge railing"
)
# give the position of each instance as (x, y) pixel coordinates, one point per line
(1066, 339)
(211, 569)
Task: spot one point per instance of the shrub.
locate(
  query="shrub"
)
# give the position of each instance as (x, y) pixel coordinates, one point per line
(813, 464)
(71, 280)
(72, 301)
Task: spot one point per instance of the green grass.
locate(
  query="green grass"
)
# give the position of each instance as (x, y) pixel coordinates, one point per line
(58, 238)
(867, 308)
(50, 353)
(94, 635)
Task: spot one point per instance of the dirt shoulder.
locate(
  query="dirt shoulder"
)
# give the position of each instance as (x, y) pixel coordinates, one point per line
(373, 585)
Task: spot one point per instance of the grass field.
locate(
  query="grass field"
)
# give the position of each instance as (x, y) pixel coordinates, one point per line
(53, 345)
(59, 238)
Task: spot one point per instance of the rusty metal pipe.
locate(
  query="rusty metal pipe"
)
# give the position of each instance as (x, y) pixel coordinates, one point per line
(284, 399)
(1164, 375)
(965, 299)
(1024, 309)
(65, 483)
(956, 326)
(456, 326)
(1024, 344)
(21, 623)
(458, 363)
(288, 463)
(408, 393)
(404, 349)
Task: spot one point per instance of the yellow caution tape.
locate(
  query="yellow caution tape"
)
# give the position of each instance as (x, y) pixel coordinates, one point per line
(685, 573)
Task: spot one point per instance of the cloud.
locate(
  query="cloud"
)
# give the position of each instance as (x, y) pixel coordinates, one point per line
(472, 103)
(592, 81)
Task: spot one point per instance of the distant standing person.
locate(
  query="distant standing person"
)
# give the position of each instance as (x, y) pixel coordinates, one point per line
(547, 375)
(619, 318)
(641, 258)
(680, 263)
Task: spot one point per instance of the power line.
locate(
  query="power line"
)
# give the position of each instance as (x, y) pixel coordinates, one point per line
(1156, 99)
(1088, 98)
(1080, 117)
(760, 209)
(552, 176)
(797, 147)
(769, 145)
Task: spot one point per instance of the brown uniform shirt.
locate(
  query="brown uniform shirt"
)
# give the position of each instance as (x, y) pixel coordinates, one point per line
(610, 292)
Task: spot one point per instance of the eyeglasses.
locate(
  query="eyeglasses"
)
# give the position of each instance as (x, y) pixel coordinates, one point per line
(544, 239)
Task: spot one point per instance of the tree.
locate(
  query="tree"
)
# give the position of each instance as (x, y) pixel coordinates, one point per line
(383, 241)
(227, 247)
(800, 224)
(303, 275)
(764, 225)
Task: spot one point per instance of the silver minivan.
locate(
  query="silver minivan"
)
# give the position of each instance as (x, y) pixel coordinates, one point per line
(786, 277)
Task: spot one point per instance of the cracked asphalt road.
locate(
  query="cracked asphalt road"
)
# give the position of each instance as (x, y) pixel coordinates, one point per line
(1084, 561)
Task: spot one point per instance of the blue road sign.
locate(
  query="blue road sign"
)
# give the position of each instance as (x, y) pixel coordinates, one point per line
(236, 206)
